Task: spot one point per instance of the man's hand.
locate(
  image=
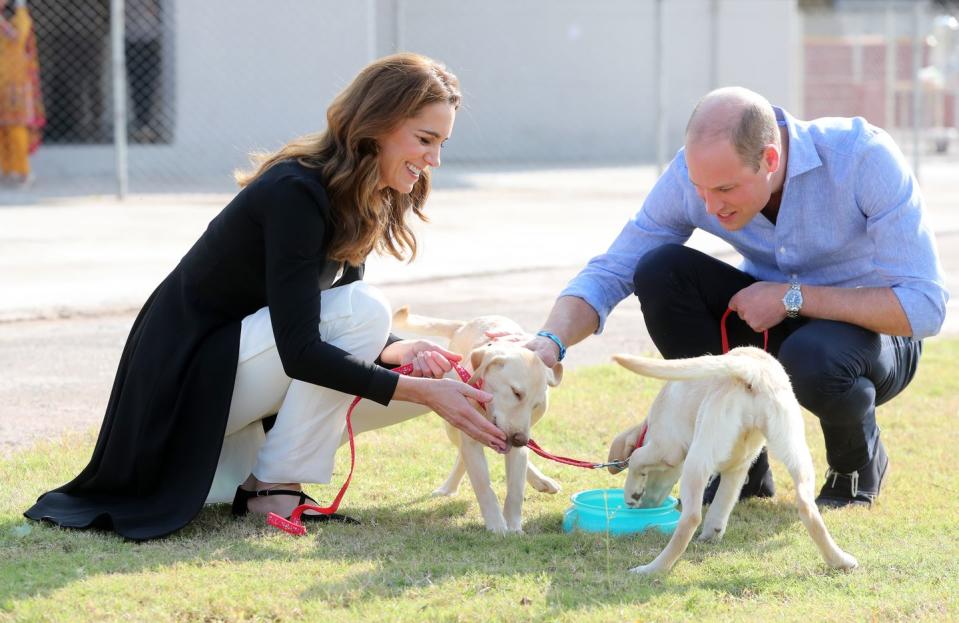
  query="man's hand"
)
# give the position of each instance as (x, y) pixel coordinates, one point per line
(507, 336)
(545, 348)
(622, 447)
(428, 359)
(760, 305)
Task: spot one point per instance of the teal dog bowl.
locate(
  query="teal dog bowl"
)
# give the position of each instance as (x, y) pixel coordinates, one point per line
(604, 510)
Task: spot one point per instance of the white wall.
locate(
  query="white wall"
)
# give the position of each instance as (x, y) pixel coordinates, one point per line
(261, 73)
(570, 81)
(543, 80)
(567, 80)
(760, 48)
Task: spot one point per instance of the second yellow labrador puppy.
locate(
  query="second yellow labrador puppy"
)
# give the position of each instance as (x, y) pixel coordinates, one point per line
(714, 415)
(519, 382)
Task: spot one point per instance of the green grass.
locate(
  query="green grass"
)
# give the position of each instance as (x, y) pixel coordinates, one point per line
(419, 558)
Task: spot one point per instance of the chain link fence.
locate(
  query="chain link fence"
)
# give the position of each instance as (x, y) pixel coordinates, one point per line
(79, 52)
(75, 53)
(557, 81)
(74, 48)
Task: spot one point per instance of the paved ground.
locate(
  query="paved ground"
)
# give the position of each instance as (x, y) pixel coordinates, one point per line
(73, 272)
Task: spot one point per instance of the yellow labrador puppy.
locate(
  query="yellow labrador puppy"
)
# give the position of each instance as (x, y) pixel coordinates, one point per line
(519, 382)
(714, 415)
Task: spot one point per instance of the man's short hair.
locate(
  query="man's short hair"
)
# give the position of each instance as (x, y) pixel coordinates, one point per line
(756, 129)
(749, 133)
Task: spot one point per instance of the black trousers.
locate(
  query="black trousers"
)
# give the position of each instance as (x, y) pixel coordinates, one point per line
(840, 372)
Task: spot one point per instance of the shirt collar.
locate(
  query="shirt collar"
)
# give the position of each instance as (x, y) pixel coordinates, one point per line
(802, 156)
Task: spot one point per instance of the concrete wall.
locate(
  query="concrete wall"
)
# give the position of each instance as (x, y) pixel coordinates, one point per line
(569, 81)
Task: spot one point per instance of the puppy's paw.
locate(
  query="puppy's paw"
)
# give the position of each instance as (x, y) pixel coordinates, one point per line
(844, 562)
(546, 485)
(712, 534)
(649, 569)
(497, 527)
(443, 492)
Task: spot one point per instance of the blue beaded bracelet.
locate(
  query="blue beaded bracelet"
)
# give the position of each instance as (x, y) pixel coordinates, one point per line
(556, 340)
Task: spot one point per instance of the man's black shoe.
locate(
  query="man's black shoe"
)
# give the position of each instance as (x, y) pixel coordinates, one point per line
(859, 488)
(759, 481)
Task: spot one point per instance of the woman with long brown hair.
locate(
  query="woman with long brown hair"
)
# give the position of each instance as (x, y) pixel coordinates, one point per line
(267, 314)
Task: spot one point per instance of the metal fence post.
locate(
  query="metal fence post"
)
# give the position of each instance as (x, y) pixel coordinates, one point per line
(661, 99)
(917, 42)
(892, 51)
(119, 83)
(398, 25)
(371, 40)
(713, 44)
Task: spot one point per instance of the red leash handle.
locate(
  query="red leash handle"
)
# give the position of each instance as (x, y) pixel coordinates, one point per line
(294, 524)
(725, 339)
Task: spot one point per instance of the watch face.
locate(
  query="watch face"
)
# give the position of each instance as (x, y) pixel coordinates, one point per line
(793, 299)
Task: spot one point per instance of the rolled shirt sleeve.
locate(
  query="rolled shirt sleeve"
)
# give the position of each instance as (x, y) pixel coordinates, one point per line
(905, 253)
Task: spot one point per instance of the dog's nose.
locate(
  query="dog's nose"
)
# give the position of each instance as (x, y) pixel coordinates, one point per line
(518, 440)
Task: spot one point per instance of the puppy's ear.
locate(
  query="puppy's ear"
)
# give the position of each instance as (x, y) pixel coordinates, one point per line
(554, 375)
(477, 356)
(482, 359)
(623, 446)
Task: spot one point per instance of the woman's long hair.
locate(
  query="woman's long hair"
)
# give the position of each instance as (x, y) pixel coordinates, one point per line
(383, 95)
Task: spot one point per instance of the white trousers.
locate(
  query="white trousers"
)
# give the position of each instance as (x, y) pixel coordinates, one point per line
(311, 420)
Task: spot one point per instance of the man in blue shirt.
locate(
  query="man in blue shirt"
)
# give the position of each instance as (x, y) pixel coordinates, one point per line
(839, 265)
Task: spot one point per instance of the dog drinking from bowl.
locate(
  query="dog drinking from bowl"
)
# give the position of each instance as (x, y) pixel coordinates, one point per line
(519, 382)
(714, 415)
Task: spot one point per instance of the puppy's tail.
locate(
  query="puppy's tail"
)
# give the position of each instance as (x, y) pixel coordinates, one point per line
(745, 363)
(423, 325)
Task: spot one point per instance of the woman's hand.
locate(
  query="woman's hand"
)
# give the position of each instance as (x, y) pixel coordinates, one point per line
(429, 359)
(451, 401)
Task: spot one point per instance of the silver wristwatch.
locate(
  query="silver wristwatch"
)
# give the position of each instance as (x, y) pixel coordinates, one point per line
(792, 300)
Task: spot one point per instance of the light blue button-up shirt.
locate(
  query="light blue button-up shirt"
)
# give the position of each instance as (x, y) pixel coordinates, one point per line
(851, 215)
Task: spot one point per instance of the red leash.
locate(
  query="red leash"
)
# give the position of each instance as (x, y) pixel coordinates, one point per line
(725, 339)
(532, 445)
(294, 524)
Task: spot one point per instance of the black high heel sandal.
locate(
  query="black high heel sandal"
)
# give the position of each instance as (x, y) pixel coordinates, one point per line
(243, 496)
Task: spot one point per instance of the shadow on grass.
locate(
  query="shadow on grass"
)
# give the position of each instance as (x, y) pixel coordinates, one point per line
(407, 547)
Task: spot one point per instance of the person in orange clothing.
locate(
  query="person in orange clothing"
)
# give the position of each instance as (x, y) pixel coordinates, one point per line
(21, 109)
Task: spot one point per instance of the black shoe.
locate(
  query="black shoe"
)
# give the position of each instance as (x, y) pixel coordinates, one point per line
(858, 488)
(243, 496)
(759, 481)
